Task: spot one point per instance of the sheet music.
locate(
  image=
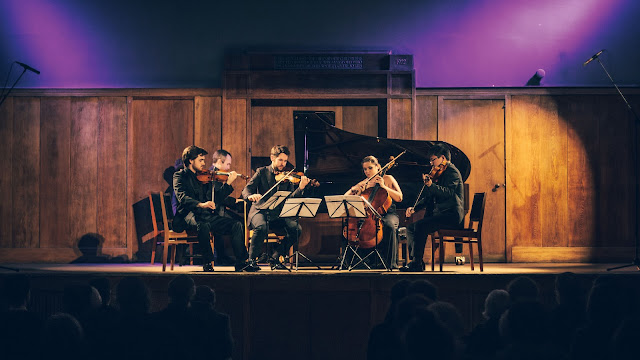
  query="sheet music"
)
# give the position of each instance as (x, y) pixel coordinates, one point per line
(300, 207)
(343, 205)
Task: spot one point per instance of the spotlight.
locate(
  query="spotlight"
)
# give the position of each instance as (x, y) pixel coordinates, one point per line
(536, 78)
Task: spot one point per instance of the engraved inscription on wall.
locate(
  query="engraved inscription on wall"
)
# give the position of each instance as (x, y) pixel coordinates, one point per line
(318, 62)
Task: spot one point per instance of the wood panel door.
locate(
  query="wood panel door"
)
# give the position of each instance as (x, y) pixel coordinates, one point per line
(477, 128)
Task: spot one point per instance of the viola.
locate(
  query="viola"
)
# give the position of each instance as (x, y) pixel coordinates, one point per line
(207, 176)
(436, 171)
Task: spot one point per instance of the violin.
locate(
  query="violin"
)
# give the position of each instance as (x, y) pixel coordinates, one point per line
(293, 177)
(436, 171)
(206, 176)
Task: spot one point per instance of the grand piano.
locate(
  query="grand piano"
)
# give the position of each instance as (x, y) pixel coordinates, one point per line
(332, 156)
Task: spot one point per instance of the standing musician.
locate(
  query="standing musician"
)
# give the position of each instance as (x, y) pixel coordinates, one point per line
(262, 181)
(196, 208)
(390, 220)
(443, 198)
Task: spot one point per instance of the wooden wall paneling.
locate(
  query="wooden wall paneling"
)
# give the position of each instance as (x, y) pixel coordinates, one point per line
(583, 116)
(360, 120)
(537, 209)
(83, 177)
(399, 119)
(26, 173)
(616, 206)
(55, 167)
(425, 126)
(271, 125)
(6, 205)
(234, 138)
(112, 169)
(477, 128)
(208, 123)
(159, 131)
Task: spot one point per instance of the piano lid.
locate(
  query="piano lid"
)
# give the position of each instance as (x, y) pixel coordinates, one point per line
(332, 156)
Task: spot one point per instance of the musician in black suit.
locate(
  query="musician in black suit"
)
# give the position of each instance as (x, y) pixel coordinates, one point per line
(196, 209)
(443, 199)
(262, 181)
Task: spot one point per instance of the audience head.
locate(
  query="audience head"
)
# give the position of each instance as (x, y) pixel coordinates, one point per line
(449, 316)
(181, 289)
(524, 322)
(399, 290)
(103, 285)
(80, 300)
(17, 289)
(62, 337)
(568, 289)
(496, 303)
(425, 288)
(132, 296)
(205, 295)
(425, 334)
(522, 288)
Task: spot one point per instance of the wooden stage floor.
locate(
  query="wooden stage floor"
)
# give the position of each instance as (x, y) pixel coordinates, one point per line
(305, 269)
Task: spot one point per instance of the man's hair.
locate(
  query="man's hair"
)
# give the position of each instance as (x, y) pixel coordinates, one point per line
(280, 149)
(439, 150)
(190, 153)
(220, 155)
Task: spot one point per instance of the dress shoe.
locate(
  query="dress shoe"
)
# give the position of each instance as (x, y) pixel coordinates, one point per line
(277, 265)
(207, 267)
(414, 266)
(248, 266)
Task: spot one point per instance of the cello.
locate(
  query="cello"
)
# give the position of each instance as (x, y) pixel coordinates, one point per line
(367, 232)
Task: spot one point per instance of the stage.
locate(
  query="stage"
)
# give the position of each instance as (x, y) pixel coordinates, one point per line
(314, 314)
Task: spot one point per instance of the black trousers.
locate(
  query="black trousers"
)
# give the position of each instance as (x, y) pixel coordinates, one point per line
(418, 231)
(260, 232)
(219, 226)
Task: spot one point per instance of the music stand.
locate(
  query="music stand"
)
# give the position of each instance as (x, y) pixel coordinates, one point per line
(346, 207)
(271, 203)
(297, 208)
(375, 247)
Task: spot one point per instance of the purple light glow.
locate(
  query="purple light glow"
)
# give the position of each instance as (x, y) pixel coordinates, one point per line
(461, 43)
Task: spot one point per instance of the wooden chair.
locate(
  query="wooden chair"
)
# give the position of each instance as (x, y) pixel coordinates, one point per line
(272, 238)
(162, 234)
(468, 235)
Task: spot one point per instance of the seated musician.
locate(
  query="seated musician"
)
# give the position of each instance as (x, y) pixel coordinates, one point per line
(225, 206)
(262, 181)
(196, 209)
(443, 199)
(390, 220)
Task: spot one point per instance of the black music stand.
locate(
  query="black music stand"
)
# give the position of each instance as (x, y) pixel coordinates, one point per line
(297, 208)
(346, 207)
(375, 247)
(271, 203)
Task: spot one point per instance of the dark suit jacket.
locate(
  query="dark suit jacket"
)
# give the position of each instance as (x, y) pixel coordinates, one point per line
(263, 180)
(190, 192)
(445, 195)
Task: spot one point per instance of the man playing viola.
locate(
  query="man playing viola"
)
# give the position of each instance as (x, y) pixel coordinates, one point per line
(196, 207)
(262, 181)
(443, 199)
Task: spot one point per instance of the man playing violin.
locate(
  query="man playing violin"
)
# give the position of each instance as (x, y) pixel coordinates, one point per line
(390, 220)
(196, 209)
(443, 198)
(262, 181)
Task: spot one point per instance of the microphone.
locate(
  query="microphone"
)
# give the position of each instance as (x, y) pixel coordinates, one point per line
(593, 57)
(27, 67)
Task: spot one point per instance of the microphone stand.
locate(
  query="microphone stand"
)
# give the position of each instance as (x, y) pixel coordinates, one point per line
(636, 260)
(14, 85)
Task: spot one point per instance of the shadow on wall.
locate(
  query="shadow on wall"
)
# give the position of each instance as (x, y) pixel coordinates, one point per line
(90, 246)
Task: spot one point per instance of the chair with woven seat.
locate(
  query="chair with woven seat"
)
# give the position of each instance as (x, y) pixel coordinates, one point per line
(472, 234)
(162, 233)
